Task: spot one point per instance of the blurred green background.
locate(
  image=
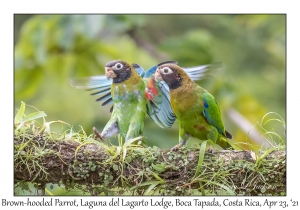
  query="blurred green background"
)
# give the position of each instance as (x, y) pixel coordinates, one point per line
(52, 49)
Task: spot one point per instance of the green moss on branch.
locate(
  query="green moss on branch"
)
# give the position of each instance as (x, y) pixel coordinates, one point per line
(133, 169)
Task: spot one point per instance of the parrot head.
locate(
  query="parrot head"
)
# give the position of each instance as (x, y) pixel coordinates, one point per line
(172, 74)
(118, 70)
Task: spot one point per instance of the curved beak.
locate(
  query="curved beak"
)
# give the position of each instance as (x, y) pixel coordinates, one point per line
(109, 73)
(157, 75)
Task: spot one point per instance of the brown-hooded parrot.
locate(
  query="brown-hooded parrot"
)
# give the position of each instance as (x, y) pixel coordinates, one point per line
(196, 110)
(133, 93)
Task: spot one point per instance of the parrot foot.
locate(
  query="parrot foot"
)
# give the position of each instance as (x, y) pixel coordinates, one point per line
(176, 147)
(97, 134)
(211, 150)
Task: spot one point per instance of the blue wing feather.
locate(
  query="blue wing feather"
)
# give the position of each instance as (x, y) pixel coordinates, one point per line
(101, 85)
(150, 72)
(104, 97)
(160, 109)
(108, 101)
(138, 69)
(101, 92)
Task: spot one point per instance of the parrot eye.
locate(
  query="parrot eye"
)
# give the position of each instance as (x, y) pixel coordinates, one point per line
(166, 70)
(119, 66)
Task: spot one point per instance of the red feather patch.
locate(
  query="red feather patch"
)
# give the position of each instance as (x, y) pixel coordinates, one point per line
(199, 127)
(151, 90)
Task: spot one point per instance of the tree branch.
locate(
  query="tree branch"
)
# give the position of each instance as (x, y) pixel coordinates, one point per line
(147, 46)
(133, 169)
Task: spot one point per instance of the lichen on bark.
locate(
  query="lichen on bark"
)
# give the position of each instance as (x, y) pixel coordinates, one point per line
(137, 170)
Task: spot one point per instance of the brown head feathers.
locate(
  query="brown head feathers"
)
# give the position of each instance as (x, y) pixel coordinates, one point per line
(172, 74)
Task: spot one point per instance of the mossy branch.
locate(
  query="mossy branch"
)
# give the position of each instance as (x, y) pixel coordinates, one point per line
(133, 169)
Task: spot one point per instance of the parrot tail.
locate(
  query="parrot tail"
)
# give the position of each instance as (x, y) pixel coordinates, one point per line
(228, 135)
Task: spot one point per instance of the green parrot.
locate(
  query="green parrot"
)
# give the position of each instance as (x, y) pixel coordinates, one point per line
(128, 94)
(196, 110)
(133, 93)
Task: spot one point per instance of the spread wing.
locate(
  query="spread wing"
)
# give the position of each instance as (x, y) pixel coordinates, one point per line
(158, 99)
(158, 103)
(157, 92)
(100, 85)
(138, 69)
(197, 73)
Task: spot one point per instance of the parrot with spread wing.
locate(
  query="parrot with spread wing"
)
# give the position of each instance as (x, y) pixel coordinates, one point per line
(133, 93)
(196, 109)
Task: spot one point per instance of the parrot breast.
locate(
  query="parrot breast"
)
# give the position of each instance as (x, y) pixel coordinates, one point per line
(129, 105)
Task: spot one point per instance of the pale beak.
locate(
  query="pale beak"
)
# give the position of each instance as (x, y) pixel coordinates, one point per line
(157, 75)
(109, 73)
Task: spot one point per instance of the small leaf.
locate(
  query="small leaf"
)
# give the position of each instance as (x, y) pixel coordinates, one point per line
(230, 191)
(48, 191)
(20, 113)
(104, 146)
(106, 182)
(201, 157)
(22, 146)
(159, 167)
(128, 159)
(158, 178)
(150, 188)
(147, 183)
(127, 143)
(115, 167)
(118, 151)
(33, 116)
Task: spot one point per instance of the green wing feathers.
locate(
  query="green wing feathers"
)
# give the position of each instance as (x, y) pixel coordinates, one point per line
(213, 115)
